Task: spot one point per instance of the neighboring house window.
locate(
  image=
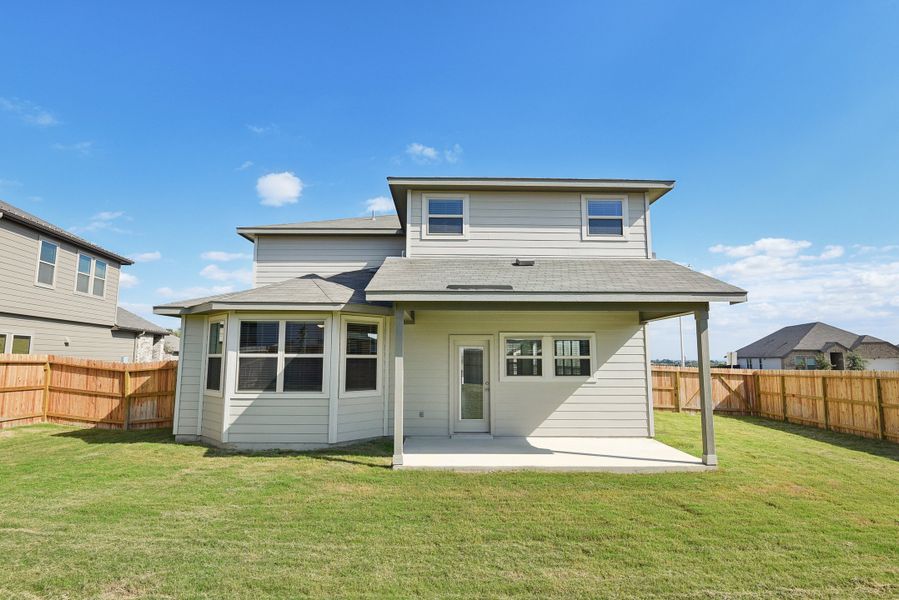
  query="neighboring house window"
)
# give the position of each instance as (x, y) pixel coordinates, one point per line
(603, 217)
(91, 276)
(572, 357)
(361, 373)
(445, 215)
(20, 344)
(46, 264)
(524, 357)
(214, 352)
(2, 343)
(281, 356)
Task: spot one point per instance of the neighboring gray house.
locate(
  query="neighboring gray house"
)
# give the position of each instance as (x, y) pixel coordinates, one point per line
(797, 346)
(489, 307)
(59, 295)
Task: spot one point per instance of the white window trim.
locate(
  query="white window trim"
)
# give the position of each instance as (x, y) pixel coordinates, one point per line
(282, 334)
(548, 357)
(37, 269)
(6, 348)
(585, 218)
(426, 217)
(223, 319)
(91, 276)
(379, 358)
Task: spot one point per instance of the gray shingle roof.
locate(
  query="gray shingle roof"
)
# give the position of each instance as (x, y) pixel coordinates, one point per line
(378, 225)
(26, 218)
(128, 320)
(547, 276)
(345, 288)
(812, 337)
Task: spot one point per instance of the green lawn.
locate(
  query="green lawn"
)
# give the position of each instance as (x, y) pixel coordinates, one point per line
(792, 512)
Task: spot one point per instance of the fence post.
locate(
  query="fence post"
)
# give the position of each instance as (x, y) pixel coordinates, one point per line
(126, 399)
(878, 398)
(783, 396)
(677, 391)
(824, 396)
(754, 411)
(48, 373)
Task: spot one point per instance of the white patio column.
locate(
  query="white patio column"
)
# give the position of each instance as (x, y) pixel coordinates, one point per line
(705, 387)
(398, 386)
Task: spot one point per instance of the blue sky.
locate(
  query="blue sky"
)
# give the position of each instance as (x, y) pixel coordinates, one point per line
(147, 129)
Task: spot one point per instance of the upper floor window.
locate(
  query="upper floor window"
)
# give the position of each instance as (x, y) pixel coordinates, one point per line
(46, 264)
(604, 217)
(91, 277)
(445, 215)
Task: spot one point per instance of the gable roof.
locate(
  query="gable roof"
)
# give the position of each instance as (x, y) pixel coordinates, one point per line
(399, 186)
(129, 321)
(323, 293)
(376, 225)
(8, 211)
(548, 279)
(807, 336)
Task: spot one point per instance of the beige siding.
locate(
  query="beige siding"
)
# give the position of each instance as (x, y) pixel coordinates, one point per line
(281, 421)
(360, 417)
(283, 257)
(530, 224)
(190, 365)
(213, 414)
(18, 264)
(99, 342)
(614, 405)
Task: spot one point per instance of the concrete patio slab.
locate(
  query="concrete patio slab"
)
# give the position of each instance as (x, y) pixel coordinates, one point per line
(614, 455)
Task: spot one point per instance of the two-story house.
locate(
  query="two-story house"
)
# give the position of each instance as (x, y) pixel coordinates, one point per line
(59, 295)
(506, 308)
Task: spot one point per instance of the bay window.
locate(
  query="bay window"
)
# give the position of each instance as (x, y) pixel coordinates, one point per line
(281, 356)
(214, 351)
(361, 348)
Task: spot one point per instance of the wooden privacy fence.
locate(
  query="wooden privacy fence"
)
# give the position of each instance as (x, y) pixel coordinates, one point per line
(111, 395)
(864, 403)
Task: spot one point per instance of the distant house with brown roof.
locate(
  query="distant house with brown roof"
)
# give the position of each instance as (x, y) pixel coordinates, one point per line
(797, 346)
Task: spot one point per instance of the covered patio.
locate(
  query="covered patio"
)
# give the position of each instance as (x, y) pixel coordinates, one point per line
(613, 455)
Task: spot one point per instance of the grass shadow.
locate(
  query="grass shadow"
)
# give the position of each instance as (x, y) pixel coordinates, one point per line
(91, 435)
(882, 448)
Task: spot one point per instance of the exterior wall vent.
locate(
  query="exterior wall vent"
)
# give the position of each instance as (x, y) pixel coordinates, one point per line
(524, 262)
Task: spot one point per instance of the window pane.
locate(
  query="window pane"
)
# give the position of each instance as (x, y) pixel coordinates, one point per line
(572, 347)
(45, 273)
(305, 338)
(2, 343)
(606, 227)
(361, 338)
(524, 347)
(572, 366)
(361, 374)
(452, 206)
(604, 208)
(257, 374)
(445, 225)
(214, 373)
(259, 337)
(516, 367)
(216, 338)
(100, 270)
(21, 344)
(48, 252)
(84, 264)
(99, 287)
(84, 283)
(303, 374)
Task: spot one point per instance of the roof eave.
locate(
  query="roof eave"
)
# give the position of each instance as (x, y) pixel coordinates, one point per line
(213, 307)
(70, 239)
(501, 296)
(250, 233)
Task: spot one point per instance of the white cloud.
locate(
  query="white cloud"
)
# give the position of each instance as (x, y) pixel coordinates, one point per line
(429, 155)
(786, 287)
(146, 256)
(82, 148)
(422, 154)
(380, 204)
(127, 280)
(219, 256)
(262, 129)
(245, 165)
(196, 291)
(216, 273)
(28, 111)
(105, 220)
(10, 183)
(279, 189)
